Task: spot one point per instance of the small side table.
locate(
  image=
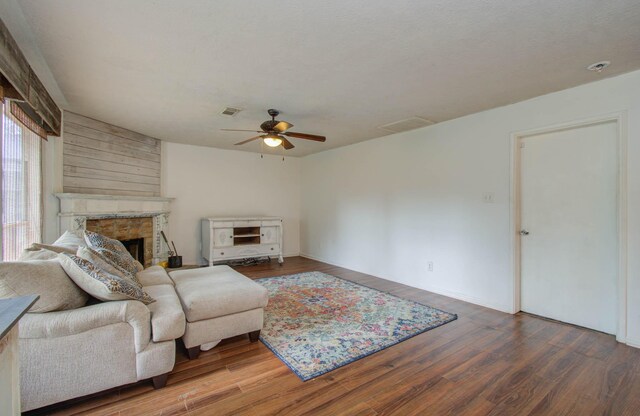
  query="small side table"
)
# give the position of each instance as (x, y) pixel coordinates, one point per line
(11, 310)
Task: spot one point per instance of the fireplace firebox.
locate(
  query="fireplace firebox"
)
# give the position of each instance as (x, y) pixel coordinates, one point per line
(135, 246)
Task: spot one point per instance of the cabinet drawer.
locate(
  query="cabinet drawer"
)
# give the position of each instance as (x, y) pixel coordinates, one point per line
(223, 253)
(246, 251)
(246, 223)
(221, 224)
(270, 249)
(271, 222)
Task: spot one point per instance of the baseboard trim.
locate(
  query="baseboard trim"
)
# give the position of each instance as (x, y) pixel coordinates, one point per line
(635, 343)
(469, 299)
(434, 289)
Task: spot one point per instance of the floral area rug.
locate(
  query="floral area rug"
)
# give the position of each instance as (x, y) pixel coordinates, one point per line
(316, 323)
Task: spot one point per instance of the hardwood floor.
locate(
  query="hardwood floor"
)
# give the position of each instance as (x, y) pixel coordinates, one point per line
(485, 363)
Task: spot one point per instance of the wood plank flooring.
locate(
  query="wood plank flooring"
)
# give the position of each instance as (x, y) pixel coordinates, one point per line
(485, 363)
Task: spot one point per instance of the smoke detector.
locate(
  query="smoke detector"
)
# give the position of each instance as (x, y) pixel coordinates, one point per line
(406, 125)
(599, 66)
(230, 111)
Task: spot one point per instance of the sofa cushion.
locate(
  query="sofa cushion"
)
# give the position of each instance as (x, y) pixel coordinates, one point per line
(210, 292)
(114, 250)
(104, 262)
(154, 275)
(167, 317)
(46, 278)
(100, 284)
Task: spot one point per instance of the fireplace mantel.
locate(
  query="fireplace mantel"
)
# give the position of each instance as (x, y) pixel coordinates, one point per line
(75, 209)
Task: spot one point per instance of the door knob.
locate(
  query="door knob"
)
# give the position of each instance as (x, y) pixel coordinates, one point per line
(524, 232)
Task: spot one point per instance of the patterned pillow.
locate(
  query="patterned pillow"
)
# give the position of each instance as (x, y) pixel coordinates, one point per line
(105, 263)
(96, 240)
(100, 284)
(118, 254)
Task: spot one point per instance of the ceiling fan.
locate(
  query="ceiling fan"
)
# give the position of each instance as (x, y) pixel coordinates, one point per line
(273, 132)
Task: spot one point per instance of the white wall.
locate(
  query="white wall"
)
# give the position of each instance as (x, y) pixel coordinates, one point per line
(213, 182)
(387, 206)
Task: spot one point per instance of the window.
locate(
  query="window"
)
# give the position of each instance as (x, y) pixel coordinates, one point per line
(21, 186)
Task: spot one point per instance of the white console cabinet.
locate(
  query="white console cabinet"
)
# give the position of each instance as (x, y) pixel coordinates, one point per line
(241, 237)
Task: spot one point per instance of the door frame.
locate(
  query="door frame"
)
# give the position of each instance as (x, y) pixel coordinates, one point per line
(620, 118)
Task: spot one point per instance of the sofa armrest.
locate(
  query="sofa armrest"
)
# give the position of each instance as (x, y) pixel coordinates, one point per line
(75, 321)
(167, 318)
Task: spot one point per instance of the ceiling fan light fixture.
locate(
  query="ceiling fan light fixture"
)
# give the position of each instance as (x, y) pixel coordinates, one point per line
(272, 140)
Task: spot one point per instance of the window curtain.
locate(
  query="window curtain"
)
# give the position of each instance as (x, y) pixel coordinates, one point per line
(21, 186)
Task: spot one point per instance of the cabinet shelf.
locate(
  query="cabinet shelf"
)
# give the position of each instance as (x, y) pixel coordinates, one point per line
(240, 240)
(252, 242)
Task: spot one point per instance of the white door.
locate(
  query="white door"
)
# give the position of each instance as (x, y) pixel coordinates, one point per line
(569, 266)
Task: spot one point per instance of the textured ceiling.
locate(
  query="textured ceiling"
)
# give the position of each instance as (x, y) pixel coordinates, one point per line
(337, 68)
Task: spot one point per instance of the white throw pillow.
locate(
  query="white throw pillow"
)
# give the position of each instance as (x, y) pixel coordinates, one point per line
(100, 284)
(39, 251)
(39, 277)
(71, 239)
(29, 254)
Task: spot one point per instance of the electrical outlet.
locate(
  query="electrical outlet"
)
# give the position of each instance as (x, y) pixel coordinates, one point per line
(488, 197)
(430, 266)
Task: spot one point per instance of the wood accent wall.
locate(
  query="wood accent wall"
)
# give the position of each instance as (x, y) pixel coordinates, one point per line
(100, 158)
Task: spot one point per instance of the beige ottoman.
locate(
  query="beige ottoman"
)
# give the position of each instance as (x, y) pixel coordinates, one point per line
(218, 303)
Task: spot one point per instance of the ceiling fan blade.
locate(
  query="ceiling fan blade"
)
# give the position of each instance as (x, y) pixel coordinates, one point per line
(248, 140)
(253, 131)
(287, 144)
(305, 136)
(282, 126)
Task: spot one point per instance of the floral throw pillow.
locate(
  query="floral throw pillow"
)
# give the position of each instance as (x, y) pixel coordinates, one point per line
(106, 263)
(100, 284)
(114, 250)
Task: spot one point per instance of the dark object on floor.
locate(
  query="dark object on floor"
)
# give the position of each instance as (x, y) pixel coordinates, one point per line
(175, 261)
(251, 261)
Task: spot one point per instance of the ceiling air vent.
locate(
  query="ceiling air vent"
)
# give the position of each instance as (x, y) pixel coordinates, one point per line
(406, 125)
(230, 111)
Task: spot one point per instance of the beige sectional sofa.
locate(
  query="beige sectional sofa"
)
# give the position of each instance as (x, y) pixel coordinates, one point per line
(72, 344)
(72, 353)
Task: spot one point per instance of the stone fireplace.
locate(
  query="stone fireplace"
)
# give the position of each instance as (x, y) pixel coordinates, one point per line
(136, 233)
(124, 218)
